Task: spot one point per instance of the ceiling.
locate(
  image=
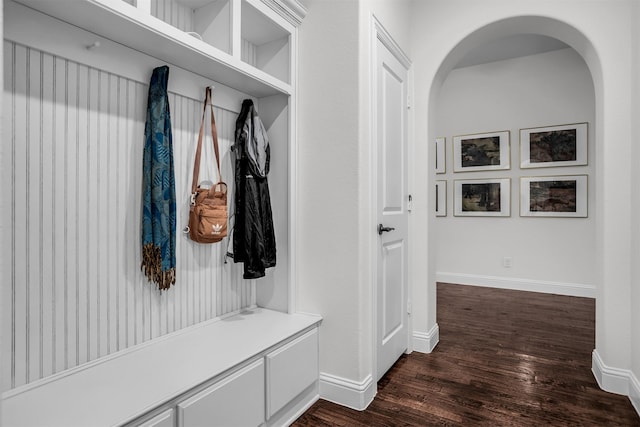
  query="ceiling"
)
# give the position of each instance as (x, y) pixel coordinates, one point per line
(510, 47)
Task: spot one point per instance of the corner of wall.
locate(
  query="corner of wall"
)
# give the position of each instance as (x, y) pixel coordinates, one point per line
(345, 392)
(426, 342)
(615, 380)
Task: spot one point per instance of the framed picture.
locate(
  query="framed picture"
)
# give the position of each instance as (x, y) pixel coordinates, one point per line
(440, 163)
(482, 197)
(441, 198)
(564, 145)
(555, 196)
(482, 151)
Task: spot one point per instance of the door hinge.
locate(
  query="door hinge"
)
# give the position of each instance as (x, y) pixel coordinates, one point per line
(408, 102)
(408, 306)
(409, 203)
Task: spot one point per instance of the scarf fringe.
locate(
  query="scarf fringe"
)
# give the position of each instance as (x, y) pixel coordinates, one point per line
(152, 266)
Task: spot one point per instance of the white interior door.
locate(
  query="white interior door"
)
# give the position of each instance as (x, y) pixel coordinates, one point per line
(392, 215)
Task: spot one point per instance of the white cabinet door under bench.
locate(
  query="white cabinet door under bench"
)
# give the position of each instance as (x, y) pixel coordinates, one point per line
(290, 370)
(235, 401)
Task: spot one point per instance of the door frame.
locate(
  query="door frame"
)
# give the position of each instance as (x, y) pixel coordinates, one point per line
(379, 33)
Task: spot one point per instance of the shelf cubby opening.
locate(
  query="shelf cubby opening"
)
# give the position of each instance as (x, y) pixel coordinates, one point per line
(265, 45)
(206, 20)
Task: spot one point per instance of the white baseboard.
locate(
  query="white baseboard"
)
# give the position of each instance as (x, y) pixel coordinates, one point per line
(345, 392)
(426, 342)
(634, 392)
(559, 288)
(610, 379)
(615, 380)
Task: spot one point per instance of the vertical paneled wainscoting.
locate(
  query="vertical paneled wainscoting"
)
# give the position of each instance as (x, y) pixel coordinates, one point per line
(76, 137)
(173, 13)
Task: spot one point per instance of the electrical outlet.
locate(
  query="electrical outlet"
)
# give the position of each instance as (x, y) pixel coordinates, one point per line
(507, 262)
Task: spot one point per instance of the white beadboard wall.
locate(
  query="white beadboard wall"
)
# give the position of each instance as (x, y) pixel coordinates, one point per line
(76, 137)
(173, 13)
(248, 53)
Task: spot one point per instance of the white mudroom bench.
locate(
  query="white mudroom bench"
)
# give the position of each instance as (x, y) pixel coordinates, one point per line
(258, 367)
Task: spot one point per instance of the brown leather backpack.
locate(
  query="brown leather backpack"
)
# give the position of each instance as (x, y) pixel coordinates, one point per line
(208, 215)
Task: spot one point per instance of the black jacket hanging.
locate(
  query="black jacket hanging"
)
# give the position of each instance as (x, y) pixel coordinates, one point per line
(254, 241)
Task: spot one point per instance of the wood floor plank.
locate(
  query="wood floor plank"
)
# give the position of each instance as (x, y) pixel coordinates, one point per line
(505, 358)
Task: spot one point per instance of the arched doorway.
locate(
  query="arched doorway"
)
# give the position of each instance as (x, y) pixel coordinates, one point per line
(527, 89)
(574, 38)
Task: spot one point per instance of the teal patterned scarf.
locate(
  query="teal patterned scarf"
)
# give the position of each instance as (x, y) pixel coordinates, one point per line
(158, 187)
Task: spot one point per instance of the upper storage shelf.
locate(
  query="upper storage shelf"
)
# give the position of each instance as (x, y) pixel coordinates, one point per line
(265, 45)
(232, 42)
(206, 20)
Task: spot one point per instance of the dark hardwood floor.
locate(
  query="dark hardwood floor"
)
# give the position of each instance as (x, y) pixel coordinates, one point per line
(505, 358)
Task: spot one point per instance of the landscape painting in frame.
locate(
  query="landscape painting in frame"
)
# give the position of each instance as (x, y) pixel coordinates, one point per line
(482, 197)
(554, 196)
(564, 145)
(440, 159)
(483, 151)
(441, 198)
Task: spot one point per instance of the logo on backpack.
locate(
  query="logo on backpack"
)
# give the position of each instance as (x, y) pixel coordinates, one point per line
(217, 229)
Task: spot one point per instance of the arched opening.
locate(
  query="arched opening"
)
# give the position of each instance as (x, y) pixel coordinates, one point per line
(582, 50)
(529, 92)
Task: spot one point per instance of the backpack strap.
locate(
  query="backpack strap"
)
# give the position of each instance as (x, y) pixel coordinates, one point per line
(214, 134)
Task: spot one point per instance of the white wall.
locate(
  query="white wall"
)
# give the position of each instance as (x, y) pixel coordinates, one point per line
(600, 30)
(328, 276)
(335, 233)
(551, 254)
(394, 16)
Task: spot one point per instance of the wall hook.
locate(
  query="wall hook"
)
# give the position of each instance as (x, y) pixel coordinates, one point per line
(212, 87)
(93, 45)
